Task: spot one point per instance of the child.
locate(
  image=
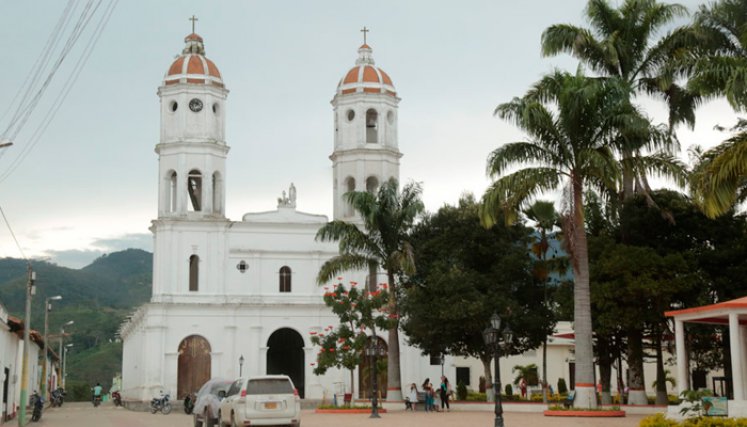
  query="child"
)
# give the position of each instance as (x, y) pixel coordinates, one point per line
(413, 396)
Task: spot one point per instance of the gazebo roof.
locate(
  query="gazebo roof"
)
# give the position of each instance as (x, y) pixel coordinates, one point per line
(714, 313)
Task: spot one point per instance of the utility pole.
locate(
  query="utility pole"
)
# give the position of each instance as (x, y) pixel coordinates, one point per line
(47, 307)
(26, 343)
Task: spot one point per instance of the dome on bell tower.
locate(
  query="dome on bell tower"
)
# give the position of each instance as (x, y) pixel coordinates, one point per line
(366, 77)
(192, 66)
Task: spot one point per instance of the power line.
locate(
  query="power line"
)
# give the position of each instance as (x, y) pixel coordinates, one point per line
(13, 234)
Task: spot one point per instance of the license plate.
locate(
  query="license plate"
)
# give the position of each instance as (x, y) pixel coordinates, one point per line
(271, 405)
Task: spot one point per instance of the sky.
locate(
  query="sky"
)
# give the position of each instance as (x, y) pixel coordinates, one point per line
(87, 183)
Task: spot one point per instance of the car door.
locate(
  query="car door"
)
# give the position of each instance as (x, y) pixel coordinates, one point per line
(227, 403)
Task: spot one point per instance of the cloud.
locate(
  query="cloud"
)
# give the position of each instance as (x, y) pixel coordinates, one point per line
(79, 258)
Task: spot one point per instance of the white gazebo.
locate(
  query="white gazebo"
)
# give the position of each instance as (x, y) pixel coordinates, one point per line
(733, 314)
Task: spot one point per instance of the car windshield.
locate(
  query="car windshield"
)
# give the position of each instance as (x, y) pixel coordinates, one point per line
(269, 386)
(218, 387)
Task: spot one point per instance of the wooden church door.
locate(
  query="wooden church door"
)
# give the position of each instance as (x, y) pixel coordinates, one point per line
(194, 365)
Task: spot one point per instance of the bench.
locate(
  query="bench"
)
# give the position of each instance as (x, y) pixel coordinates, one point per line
(568, 402)
(421, 400)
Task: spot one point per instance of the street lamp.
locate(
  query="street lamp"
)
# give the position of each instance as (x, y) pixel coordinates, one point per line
(6, 143)
(64, 363)
(47, 307)
(62, 333)
(241, 364)
(374, 351)
(492, 340)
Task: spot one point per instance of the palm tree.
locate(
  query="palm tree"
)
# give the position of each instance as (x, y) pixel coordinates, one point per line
(620, 45)
(569, 120)
(720, 65)
(719, 179)
(545, 217)
(380, 241)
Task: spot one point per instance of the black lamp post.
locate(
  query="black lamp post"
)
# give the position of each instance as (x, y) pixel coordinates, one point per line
(374, 351)
(491, 335)
(241, 364)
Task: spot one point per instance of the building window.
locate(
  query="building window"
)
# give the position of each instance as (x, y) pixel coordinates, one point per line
(285, 279)
(435, 359)
(372, 126)
(372, 184)
(194, 272)
(194, 187)
(462, 375)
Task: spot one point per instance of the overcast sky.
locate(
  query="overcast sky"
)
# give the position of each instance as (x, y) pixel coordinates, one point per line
(89, 185)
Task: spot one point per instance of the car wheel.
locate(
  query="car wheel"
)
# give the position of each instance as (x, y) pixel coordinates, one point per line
(207, 419)
(197, 421)
(233, 421)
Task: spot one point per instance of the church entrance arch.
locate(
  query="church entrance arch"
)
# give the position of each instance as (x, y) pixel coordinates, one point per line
(285, 356)
(365, 371)
(193, 365)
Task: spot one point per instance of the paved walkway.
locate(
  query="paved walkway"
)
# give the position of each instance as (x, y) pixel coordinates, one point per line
(83, 414)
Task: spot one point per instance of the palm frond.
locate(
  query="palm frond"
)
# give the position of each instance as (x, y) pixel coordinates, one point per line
(340, 264)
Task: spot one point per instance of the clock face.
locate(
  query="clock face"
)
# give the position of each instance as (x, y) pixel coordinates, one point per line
(195, 105)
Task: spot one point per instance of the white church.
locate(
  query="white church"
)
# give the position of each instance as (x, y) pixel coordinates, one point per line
(240, 297)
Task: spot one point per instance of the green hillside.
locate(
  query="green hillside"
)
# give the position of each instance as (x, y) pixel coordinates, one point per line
(97, 298)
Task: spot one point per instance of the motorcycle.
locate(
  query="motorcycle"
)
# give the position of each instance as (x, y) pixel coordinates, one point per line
(189, 403)
(56, 398)
(160, 404)
(96, 400)
(117, 398)
(38, 403)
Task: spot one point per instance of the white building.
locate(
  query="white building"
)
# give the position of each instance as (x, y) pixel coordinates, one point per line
(224, 290)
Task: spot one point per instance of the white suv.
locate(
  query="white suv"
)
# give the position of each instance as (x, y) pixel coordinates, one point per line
(261, 401)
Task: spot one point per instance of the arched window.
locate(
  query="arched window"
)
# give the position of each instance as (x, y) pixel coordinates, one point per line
(171, 197)
(372, 126)
(349, 186)
(194, 188)
(217, 193)
(372, 184)
(194, 272)
(285, 279)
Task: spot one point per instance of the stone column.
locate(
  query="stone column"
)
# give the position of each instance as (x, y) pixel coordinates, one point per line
(683, 371)
(254, 367)
(737, 372)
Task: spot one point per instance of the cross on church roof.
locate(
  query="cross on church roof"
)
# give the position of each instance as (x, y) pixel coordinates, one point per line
(193, 19)
(364, 31)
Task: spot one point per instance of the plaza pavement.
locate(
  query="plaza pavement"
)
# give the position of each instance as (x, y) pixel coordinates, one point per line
(77, 414)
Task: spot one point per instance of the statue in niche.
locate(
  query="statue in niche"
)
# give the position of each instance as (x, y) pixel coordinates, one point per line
(288, 201)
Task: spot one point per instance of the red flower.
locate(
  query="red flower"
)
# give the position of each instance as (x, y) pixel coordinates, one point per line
(346, 347)
(312, 363)
(313, 332)
(339, 278)
(332, 350)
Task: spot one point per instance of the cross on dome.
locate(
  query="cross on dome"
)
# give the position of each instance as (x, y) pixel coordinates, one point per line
(193, 19)
(364, 31)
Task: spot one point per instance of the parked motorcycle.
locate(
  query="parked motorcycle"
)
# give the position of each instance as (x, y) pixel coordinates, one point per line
(117, 398)
(56, 398)
(38, 403)
(160, 404)
(189, 403)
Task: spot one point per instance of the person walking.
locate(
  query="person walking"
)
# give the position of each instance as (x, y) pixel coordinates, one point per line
(444, 391)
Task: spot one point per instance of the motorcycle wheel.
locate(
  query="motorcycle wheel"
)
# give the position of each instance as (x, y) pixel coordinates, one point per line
(153, 409)
(166, 408)
(36, 416)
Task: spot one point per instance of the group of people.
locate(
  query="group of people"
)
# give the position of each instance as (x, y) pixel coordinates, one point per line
(443, 393)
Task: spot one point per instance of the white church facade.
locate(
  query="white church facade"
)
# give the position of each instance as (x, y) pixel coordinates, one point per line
(225, 291)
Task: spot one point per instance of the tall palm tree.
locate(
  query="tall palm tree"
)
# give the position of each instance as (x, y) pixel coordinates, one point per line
(545, 218)
(720, 65)
(380, 241)
(569, 120)
(620, 44)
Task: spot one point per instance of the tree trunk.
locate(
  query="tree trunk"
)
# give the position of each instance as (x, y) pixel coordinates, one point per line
(585, 389)
(661, 375)
(489, 394)
(636, 380)
(544, 369)
(394, 381)
(604, 357)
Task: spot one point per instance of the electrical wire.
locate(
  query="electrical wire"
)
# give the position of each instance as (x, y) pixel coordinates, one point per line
(13, 234)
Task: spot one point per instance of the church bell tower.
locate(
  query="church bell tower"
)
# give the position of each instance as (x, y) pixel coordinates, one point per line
(192, 149)
(366, 152)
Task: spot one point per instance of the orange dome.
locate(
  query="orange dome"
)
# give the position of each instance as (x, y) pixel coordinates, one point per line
(192, 66)
(366, 77)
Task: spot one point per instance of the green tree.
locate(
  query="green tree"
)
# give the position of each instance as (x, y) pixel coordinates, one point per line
(359, 311)
(569, 119)
(380, 241)
(465, 273)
